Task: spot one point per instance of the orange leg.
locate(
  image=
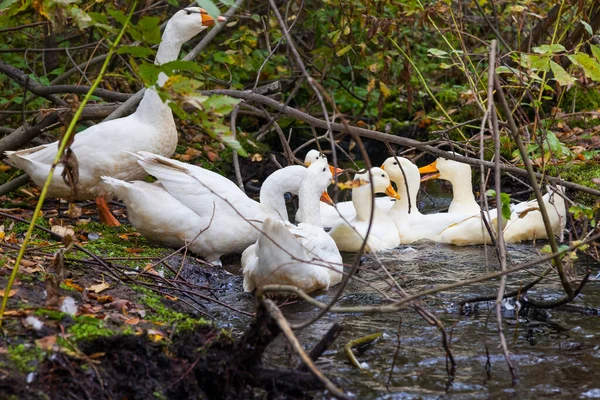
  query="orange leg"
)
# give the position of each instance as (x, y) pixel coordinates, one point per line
(105, 216)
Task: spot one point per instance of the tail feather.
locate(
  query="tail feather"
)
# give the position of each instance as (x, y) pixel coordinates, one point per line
(279, 243)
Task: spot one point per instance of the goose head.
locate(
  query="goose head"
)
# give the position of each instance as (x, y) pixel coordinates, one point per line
(395, 166)
(315, 155)
(446, 169)
(378, 179)
(187, 23)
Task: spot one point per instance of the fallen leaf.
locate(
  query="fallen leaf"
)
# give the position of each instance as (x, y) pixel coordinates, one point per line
(132, 321)
(134, 250)
(117, 304)
(97, 355)
(212, 156)
(10, 294)
(256, 157)
(100, 287)
(62, 231)
(172, 298)
(70, 284)
(46, 343)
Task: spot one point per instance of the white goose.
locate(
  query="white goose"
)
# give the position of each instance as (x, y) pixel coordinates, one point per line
(459, 175)
(470, 230)
(98, 149)
(198, 193)
(411, 224)
(304, 255)
(383, 234)
(526, 221)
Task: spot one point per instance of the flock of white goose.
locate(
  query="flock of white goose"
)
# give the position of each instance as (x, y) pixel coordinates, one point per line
(192, 206)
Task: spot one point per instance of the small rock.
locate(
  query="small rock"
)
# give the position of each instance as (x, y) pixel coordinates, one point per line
(92, 236)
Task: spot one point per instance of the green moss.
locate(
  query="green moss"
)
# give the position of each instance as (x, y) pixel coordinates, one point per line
(581, 174)
(163, 314)
(20, 228)
(25, 357)
(111, 245)
(585, 99)
(50, 314)
(89, 327)
(84, 327)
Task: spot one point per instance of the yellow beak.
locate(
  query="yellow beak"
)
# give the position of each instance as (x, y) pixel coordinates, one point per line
(390, 191)
(429, 171)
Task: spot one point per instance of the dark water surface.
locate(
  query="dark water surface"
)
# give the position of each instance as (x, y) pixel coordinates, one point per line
(556, 352)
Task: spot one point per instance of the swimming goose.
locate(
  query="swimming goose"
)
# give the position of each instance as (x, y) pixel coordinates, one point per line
(412, 225)
(526, 221)
(99, 148)
(383, 234)
(459, 175)
(304, 255)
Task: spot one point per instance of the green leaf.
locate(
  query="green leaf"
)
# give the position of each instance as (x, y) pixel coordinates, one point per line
(234, 144)
(227, 2)
(149, 73)
(549, 49)
(136, 51)
(344, 50)
(180, 65)
(220, 105)
(7, 3)
(210, 8)
(589, 65)
(560, 75)
(541, 63)
(255, 17)
(438, 53)
(117, 15)
(149, 28)
(587, 27)
(595, 51)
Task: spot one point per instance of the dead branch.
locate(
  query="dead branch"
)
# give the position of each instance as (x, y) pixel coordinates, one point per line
(275, 312)
(383, 137)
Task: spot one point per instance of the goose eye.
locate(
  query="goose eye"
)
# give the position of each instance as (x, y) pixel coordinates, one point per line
(189, 13)
(395, 163)
(382, 175)
(324, 169)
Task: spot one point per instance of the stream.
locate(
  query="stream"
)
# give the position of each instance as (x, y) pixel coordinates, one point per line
(556, 352)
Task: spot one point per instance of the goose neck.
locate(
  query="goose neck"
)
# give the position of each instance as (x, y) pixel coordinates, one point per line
(308, 209)
(362, 199)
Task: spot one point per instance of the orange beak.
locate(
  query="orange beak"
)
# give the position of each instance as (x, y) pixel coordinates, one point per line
(325, 198)
(429, 171)
(390, 191)
(207, 20)
(335, 171)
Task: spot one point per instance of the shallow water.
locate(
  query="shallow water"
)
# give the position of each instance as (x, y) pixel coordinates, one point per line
(556, 352)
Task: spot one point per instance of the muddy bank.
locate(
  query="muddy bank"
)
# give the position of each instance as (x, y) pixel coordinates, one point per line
(203, 363)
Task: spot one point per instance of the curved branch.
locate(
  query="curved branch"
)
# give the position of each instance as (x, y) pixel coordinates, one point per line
(383, 137)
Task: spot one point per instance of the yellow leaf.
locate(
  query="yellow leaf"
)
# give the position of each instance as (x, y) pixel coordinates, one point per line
(352, 184)
(371, 85)
(384, 89)
(373, 67)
